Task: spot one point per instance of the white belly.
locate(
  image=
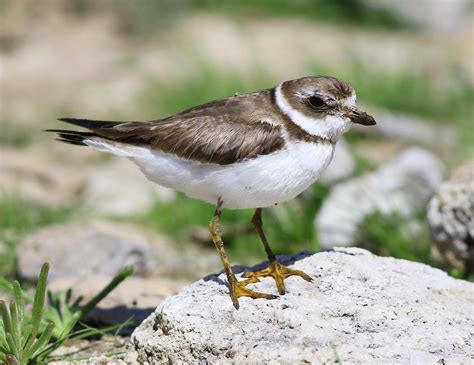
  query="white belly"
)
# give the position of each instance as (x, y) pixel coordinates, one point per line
(259, 182)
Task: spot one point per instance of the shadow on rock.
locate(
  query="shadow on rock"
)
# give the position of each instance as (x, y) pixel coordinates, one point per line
(102, 317)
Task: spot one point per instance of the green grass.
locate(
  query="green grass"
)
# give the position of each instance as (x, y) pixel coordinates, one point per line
(18, 218)
(144, 17)
(25, 337)
(12, 136)
(393, 236)
(350, 12)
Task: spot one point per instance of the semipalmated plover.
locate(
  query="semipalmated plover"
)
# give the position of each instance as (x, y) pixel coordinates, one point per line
(247, 151)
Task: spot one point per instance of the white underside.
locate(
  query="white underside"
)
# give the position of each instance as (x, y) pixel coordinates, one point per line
(260, 182)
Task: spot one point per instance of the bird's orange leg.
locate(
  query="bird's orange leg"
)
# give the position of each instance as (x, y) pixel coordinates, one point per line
(237, 288)
(276, 270)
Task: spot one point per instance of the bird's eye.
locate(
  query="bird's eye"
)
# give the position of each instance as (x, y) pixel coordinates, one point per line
(316, 101)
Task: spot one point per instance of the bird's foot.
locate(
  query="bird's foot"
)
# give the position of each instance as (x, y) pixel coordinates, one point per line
(279, 273)
(238, 289)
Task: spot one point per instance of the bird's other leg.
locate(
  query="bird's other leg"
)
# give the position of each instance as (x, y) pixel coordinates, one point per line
(276, 270)
(237, 289)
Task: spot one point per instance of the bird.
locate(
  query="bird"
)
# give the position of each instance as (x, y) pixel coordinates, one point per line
(248, 151)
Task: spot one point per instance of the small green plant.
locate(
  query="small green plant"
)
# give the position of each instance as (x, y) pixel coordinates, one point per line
(20, 341)
(26, 339)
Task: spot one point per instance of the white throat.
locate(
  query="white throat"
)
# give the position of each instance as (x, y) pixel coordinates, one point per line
(330, 127)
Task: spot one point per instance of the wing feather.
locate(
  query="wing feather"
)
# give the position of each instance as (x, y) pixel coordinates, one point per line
(221, 131)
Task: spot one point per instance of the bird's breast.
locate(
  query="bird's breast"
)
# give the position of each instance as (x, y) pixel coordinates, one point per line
(259, 182)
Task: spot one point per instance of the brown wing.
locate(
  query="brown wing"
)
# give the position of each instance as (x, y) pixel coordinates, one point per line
(221, 131)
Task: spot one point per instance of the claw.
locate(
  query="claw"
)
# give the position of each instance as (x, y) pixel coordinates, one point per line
(238, 289)
(279, 273)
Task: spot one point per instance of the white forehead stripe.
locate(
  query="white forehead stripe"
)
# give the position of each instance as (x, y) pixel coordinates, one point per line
(330, 127)
(351, 100)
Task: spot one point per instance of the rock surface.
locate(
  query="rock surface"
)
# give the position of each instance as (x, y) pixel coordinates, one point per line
(442, 15)
(84, 249)
(451, 219)
(412, 129)
(361, 309)
(402, 186)
(108, 350)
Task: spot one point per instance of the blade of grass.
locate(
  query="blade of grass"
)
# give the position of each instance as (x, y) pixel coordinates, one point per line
(42, 340)
(38, 304)
(26, 335)
(15, 325)
(122, 275)
(11, 343)
(7, 324)
(106, 330)
(9, 288)
(19, 301)
(80, 334)
(85, 332)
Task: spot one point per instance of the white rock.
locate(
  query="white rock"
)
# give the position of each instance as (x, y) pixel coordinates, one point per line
(413, 129)
(94, 352)
(403, 186)
(361, 309)
(451, 219)
(342, 165)
(440, 15)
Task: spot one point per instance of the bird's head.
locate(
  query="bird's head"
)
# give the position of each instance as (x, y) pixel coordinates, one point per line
(321, 105)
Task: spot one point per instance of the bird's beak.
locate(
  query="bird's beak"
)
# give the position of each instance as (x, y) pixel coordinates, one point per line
(360, 117)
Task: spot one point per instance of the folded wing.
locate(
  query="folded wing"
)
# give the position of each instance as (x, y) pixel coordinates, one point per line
(212, 133)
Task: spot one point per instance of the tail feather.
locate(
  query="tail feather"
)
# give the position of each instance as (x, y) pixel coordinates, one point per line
(90, 124)
(78, 137)
(72, 137)
(100, 134)
(70, 141)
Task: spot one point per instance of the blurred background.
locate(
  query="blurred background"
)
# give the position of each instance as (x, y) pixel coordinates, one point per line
(411, 64)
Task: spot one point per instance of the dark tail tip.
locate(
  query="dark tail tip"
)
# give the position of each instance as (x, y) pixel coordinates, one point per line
(90, 124)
